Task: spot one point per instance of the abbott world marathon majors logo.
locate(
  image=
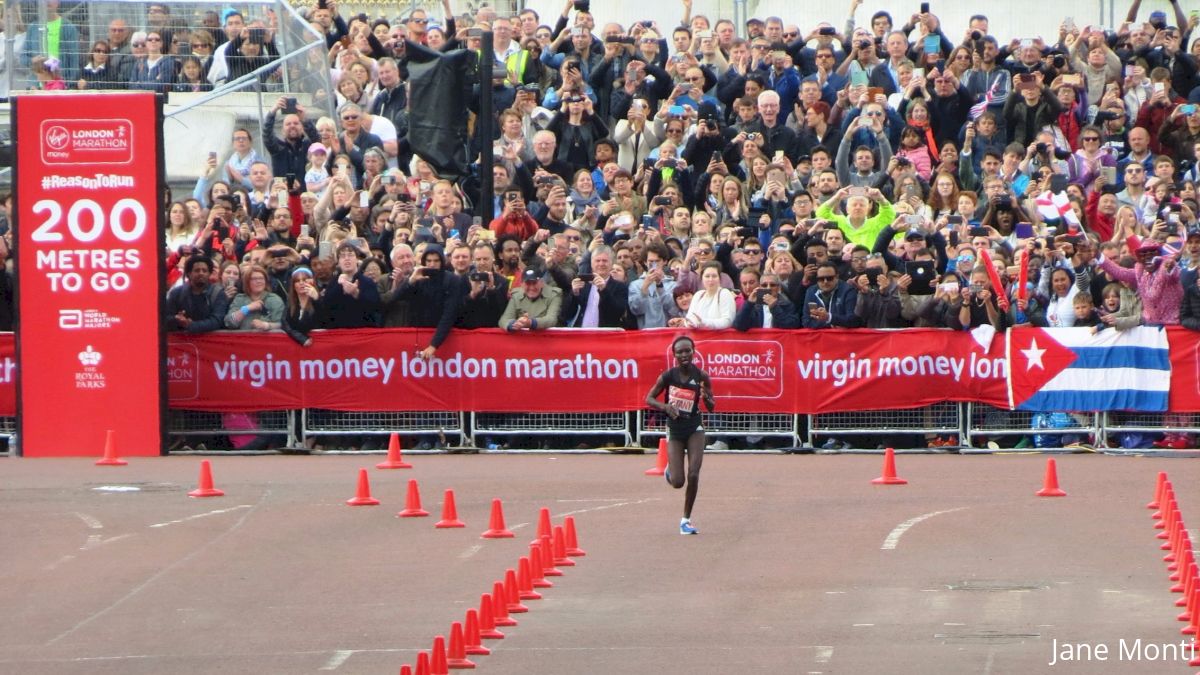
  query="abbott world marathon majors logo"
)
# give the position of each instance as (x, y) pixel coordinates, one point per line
(742, 368)
(67, 141)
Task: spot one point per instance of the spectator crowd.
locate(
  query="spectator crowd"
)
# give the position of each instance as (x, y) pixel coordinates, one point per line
(859, 172)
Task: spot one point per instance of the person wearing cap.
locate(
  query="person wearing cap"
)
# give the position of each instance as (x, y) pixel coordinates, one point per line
(279, 262)
(351, 299)
(289, 152)
(535, 305)
(1156, 279)
(316, 176)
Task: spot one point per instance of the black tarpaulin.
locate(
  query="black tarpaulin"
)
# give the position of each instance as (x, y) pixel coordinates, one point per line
(439, 87)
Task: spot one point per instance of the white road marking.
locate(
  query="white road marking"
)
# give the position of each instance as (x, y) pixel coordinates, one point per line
(90, 521)
(339, 657)
(60, 561)
(607, 506)
(117, 488)
(893, 539)
(863, 625)
(155, 577)
(824, 653)
(96, 541)
(470, 552)
(202, 515)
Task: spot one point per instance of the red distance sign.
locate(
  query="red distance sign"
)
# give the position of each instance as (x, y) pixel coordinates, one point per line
(89, 282)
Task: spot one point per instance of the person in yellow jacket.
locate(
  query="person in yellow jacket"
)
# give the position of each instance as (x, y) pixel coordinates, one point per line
(858, 228)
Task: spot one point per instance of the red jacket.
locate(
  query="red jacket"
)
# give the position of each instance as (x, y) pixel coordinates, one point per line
(522, 227)
(1097, 222)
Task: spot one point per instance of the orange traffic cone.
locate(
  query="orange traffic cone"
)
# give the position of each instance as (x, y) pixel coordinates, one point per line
(512, 593)
(660, 464)
(206, 488)
(496, 528)
(487, 624)
(472, 640)
(543, 524)
(573, 549)
(110, 452)
(406, 670)
(393, 460)
(548, 567)
(457, 656)
(536, 569)
(1168, 494)
(889, 470)
(1158, 490)
(412, 502)
(560, 548)
(437, 659)
(422, 663)
(500, 606)
(449, 513)
(1050, 483)
(363, 496)
(525, 580)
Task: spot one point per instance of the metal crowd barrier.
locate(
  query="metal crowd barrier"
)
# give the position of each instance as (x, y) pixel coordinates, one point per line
(316, 422)
(486, 427)
(8, 431)
(652, 424)
(1114, 424)
(941, 419)
(185, 426)
(973, 426)
(988, 421)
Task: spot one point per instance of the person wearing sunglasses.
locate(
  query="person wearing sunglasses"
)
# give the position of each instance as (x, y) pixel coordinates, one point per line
(830, 302)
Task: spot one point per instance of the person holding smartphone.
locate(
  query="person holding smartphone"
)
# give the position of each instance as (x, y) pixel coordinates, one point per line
(686, 387)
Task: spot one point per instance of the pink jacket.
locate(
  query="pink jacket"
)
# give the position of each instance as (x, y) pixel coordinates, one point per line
(1160, 291)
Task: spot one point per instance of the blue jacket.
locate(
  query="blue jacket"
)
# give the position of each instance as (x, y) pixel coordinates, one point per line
(840, 303)
(783, 315)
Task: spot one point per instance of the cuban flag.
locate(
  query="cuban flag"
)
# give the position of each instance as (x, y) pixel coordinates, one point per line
(1074, 370)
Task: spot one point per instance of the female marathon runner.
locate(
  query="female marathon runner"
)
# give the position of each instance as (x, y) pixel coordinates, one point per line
(686, 385)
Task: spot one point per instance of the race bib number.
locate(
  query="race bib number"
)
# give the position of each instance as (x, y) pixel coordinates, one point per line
(684, 400)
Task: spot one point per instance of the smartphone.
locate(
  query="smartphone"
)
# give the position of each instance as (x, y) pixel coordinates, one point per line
(647, 222)
(212, 155)
(979, 232)
(1159, 87)
(924, 8)
(1110, 174)
(933, 44)
(1024, 230)
(760, 293)
(303, 229)
(812, 306)
(289, 105)
(474, 32)
(1188, 109)
(918, 73)
(717, 157)
(364, 199)
(953, 238)
(954, 220)
(587, 278)
(1026, 43)
(827, 30)
(325, 249)
(857, 192)
(676, 111)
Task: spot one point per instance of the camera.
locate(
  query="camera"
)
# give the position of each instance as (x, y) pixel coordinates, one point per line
(709, 124)
(479, 276)
(827, 30)
(669, 163)
(1041, 148)
(661, 201)
(747, 231)
(587, 278)
(1059, 61)
(543, 180)
(1004, 203)
(760, 293)
(976, 288)
(864, 44)
(975, 35)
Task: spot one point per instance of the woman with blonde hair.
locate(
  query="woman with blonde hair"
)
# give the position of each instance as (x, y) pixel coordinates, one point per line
(733, 205)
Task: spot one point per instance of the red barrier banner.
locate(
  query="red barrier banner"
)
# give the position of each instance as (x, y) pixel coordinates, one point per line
(767, 371)
(90, 289)
(1185, 369)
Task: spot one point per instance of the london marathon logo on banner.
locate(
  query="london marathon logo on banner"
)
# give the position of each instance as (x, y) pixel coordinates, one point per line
(67, 141)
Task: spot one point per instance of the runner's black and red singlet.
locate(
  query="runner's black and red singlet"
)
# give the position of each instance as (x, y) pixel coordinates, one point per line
(683, 393)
